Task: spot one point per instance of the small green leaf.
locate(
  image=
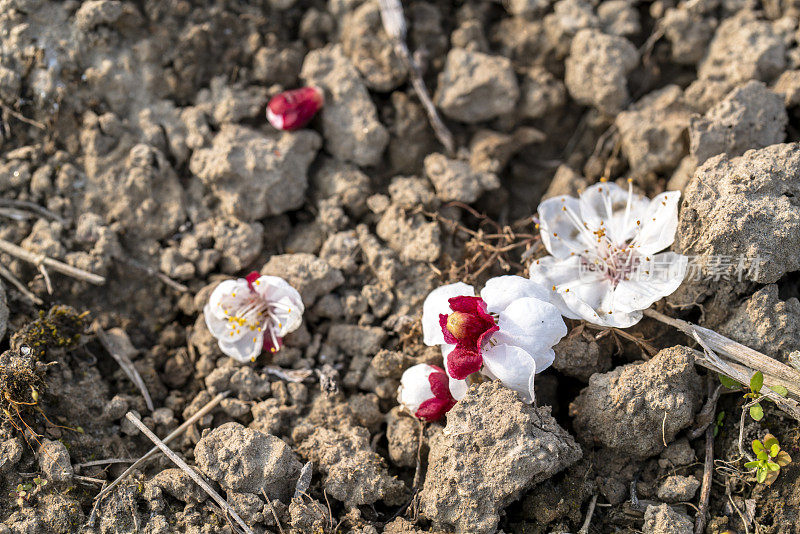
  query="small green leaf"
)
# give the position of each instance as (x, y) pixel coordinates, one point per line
(728, 382)
(751, 465)
(769, 441)
(757, 381)
(773, 466)
(756, 412)
(716, 431)
(761, 475)
(762, 456)
(774, 450)
(780, 390)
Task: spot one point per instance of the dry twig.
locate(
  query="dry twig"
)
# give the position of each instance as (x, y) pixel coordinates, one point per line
(177, 460)
(166, 280)
(395, 25)
(589, 512)
(152, 452)
(27, 293)
(708, 468)
(40, 259)
(122, 356)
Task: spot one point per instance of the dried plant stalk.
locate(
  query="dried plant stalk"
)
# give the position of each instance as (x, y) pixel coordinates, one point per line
(40, 259)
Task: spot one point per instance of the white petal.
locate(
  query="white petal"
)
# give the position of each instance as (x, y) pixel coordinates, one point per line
(415, 388)
(551, 273)
(666, 272)
(590, 296)
(531, 324)
(561, 226)
(245, 349)
(659, 223)
(229, 295)
(221, 328)
(437, 303)
(276, 289)
(500, 291)
(607, 204)
(513, 366)
(289, 321)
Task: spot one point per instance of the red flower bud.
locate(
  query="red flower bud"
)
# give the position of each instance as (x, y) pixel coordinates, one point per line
(292, 110)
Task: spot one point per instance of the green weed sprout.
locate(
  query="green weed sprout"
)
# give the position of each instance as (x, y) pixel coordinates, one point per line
(769, 459)
(754, 392)
(27, 490)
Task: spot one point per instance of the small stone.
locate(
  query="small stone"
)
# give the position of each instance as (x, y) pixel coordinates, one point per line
(542, 94)
(356, 340)
(475, 87)
(246, 460)
(179, 485)
(597, 70)
(10, 453)
(310, 275)
(54, 461)
(349, 119)
(751, 116)
(580, 357)
(498, 447)
(454, 179)
(745, 207)
(658, 398)
(653, 131)
(664, 520)
(413, 237)
(678, 488)
(255, 175)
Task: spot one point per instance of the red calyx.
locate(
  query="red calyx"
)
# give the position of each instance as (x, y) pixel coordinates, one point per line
(442, 401)
(294, 109)
(252, 277)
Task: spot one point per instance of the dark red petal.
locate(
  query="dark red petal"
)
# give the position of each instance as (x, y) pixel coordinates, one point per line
(463, 362)
(448, 337)
(464, 304)
(270, 347)
(432, 409)
(440, 385)
(291, 110)
(252, 277)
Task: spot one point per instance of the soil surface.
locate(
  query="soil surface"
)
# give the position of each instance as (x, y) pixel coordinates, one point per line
(134, 145)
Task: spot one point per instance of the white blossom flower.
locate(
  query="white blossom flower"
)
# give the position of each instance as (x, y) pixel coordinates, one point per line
(424, 392)
(604, 265)
(252, 313)
(507, 333)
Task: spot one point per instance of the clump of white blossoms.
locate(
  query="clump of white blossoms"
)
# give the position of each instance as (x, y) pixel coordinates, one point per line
(507, 333)
(605, 266)
(253, 313)
(424, 392)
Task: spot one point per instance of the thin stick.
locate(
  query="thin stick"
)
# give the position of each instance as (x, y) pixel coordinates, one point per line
(152, 452)
(107, 462)
(22, 118)
(48, 284)
(166, 280)
(589, 512)
(708, 471)
(124, 361)
(395, 25)
(8, 275)
(177, 460)
(33, 207)
(40, 259)
(735, 351)
(272, 509)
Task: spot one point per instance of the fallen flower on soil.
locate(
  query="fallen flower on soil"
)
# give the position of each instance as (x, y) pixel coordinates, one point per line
(605, 266)
(291, 110)
(424, 392)
(507, 333)
(252, 313)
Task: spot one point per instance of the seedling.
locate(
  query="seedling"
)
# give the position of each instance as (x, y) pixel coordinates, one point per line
(27, 490)
(769, 459)
(718, 424)
(754, 392)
